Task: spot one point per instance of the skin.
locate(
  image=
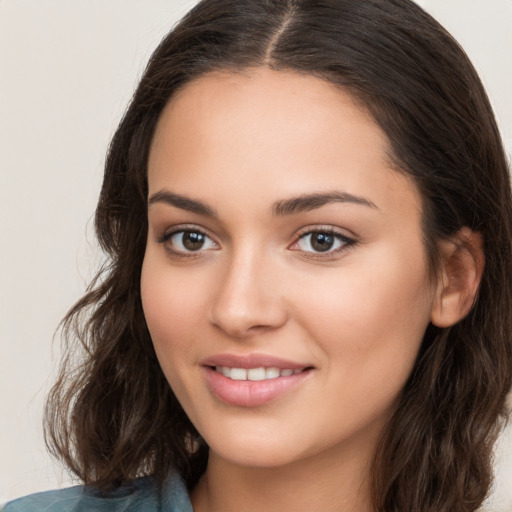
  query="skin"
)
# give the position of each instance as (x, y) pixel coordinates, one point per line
(240, 143)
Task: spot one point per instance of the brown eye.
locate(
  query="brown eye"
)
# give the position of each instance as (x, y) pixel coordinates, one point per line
(318, 242)
(322, 242)
(187, 241)
(192, 240)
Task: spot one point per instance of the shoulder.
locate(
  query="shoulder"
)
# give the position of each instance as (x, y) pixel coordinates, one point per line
(142, 495)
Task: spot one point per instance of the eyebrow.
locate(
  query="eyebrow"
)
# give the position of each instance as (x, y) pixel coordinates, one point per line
(182, 202)
(309, 202)
(290, 206)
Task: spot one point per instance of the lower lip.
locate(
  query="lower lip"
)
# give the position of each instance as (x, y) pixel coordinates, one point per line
(250, 393)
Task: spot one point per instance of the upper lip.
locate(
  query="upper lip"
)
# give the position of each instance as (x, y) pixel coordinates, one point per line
(252, 361)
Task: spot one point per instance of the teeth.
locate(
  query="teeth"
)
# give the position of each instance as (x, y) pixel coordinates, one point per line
(238, 374)
(255, 373)
(272, 373)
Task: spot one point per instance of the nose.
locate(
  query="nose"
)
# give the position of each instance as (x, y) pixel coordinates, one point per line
(250, 297)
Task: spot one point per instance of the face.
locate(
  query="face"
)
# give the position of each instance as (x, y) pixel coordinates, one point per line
(285, 283)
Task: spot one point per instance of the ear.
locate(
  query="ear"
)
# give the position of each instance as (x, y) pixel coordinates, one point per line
(462, 264)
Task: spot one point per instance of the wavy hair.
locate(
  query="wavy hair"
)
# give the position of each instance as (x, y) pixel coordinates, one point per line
(112, 416)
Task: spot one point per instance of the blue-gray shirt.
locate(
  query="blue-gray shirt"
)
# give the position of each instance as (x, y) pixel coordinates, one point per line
(141, 496)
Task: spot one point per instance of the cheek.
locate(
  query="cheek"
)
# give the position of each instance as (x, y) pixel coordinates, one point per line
(368, 327)
(172, 305)
(370, 316)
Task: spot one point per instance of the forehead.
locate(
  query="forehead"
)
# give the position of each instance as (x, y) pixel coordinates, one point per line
(271, 133)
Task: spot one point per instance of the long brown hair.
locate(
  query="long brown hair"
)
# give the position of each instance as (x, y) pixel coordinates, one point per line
(112, 416)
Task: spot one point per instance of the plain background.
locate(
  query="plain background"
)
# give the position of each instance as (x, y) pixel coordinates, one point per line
(67, 71)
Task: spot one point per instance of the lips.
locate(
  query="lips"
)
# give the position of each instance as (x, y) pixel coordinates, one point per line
(255, 374)
(252, 380)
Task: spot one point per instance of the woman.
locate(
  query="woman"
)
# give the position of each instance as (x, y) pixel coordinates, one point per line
(307, 210)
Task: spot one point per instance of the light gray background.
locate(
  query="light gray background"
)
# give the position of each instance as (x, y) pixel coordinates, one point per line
(67, 70)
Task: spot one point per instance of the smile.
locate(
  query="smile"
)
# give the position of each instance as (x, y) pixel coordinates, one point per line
(253, 380)
(256, 374)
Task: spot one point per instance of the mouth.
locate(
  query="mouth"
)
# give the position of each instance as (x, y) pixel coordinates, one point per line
(253, 380)
(256, 374)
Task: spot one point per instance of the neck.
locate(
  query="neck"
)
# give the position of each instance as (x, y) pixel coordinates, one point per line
(332, 481)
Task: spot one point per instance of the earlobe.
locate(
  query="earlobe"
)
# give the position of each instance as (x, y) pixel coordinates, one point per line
(462, 264)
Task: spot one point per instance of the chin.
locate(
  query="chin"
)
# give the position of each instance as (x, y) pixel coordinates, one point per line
(262, 457)
(254, 449)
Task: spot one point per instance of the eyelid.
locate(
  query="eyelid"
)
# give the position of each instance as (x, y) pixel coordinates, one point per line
(168, 233)
(176, 228)
(326, 228)
(348, 241)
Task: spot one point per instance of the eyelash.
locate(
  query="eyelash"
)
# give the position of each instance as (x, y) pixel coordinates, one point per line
(346, 242)
(167, 236)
